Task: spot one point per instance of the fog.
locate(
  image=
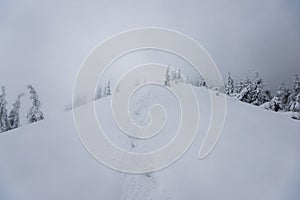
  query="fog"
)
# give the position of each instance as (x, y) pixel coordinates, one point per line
(45, 42)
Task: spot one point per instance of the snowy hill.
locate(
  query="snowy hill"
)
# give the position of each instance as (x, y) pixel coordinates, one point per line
(257, 157)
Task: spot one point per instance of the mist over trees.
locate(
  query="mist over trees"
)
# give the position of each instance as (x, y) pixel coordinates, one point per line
(101, 92)
(249, 90)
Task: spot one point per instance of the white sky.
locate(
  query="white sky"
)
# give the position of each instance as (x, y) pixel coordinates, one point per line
(44, 42)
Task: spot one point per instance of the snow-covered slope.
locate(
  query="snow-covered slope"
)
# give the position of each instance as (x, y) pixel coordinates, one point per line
(257, 157)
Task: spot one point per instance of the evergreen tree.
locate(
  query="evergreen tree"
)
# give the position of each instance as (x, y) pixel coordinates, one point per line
(246, 92)
(173, 75)
(259, 95)
(178, 76)
(293, 96)
(99, 93)
(229, 88)
(13, 117)
(239, 87)
(296, 85)
(268, 95)
(283, 94)
(108, 89)
(167, 77)
(276, 104)
(34, 114)
(4, 125)
(244, 95)
(295, 108)
(258, 98)
(247, 82)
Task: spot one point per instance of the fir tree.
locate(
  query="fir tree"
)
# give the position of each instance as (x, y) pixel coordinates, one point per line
(4, 125)
(295, 108)
(259, 95)
(229, 88)
(239, 87)
(99, 93)
(34, 114)
(167, 77)
(293, 96)
(244, 95)
(173, 75)
(268, 95)
(246, 92)
(178, 75)
(296, 85)
(283, 93)
(247, 82)
(108, 89)
(13, 117)
(276, 104)
(257, 98)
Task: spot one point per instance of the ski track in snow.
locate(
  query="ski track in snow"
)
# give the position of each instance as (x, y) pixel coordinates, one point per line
(257, 157)
(139, 186)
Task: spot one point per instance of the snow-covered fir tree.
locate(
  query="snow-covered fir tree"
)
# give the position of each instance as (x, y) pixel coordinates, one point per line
(267, 95)
(275, 104)
(14, 115)
(247, 82)
(283, 94)
(258, 98)
(246, 90)
(229, 88)
(296, 84)
(99, 93)
(4, 125)
(245, 94)
(34, 114)
(173, 75)
(295, 108)
(259, 95)
(107, 89)
(294, 93)
(239, 86)
(178, 76)
(167, 77)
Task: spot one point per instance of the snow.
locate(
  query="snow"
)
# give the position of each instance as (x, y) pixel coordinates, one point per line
(257, 157)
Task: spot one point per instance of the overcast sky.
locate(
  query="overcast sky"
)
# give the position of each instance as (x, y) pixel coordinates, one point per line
(44, 42)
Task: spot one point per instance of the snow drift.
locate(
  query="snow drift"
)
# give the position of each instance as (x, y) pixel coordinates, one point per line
(257, 157)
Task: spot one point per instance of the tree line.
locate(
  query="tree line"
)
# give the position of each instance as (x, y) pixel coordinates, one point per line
(11, 120)
(246, 90)
(250, 91)
(285, 99)
(102, 91)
